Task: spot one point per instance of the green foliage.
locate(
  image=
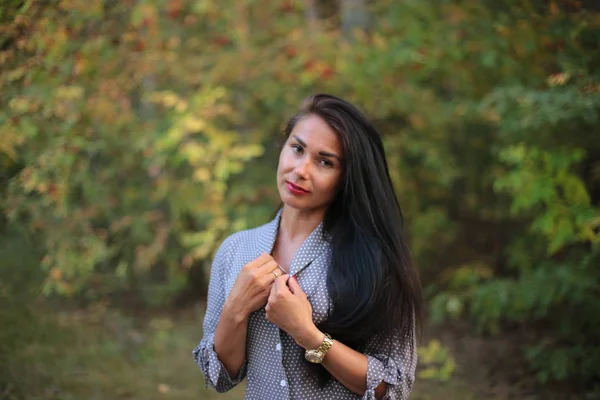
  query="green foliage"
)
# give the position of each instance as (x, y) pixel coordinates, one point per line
(436, 361)
(544, 154)
(20, 279)
(127, 160)
(137, 134)
(101, 354)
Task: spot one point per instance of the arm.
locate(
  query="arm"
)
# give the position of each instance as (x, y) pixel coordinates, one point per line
(230, 339)
(222, 352)
(387, 368)
(346, 365)
(220, 376)
(248, 294)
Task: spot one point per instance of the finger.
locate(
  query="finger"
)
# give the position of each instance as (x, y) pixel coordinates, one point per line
(268, 266)
(283, 270)
(260, 260)
(295, 287)
(267, 281)
(267, 278)
(273, 269)
(279, 283)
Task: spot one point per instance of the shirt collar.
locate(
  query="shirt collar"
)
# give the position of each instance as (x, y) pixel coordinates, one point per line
(313, 246)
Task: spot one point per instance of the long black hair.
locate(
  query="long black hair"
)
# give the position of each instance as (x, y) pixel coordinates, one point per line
(373, 284)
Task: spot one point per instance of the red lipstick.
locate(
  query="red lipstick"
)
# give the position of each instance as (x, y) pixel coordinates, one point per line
(295, 189)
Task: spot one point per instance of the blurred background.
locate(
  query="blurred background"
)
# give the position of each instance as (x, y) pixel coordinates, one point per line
(136, 135)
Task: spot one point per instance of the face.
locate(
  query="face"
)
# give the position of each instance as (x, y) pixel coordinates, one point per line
(310, 165)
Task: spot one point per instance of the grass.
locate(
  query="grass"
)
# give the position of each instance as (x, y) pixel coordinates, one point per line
(99, 354)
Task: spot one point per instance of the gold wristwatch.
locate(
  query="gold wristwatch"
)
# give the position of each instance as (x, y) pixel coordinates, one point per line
(317, 355)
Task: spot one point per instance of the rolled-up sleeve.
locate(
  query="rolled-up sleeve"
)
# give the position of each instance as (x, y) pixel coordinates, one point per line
(215, 374)
(392, 360)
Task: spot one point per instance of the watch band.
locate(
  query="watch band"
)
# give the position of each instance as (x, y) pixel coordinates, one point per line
(317, 355)
(326, 345)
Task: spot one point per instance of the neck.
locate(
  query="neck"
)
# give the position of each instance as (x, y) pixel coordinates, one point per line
(298, 224)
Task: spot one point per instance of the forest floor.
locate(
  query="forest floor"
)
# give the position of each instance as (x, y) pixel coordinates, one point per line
(98, 354)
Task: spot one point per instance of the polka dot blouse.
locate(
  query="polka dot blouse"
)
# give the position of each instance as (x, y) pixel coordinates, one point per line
(274, 364)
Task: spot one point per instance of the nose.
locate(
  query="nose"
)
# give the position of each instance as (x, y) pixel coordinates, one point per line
(302, 168)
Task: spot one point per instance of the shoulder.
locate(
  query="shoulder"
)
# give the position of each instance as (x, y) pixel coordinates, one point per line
(246, 241)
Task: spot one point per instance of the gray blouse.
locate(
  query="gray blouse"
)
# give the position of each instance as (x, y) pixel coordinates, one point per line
(274, 363)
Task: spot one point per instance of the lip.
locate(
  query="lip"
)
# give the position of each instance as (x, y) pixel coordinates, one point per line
(296, 189)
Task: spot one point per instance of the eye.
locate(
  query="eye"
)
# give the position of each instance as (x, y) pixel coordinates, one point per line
(326, 163)
(297, 149)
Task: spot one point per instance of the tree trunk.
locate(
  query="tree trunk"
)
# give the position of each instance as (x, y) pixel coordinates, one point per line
(311, 14)
(354, 16)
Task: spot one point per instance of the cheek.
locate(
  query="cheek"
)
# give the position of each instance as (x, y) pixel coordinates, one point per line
(281, 163)
(286, 162)
(330, 183)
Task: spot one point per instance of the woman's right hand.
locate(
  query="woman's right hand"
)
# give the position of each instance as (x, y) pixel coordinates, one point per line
(252, 286)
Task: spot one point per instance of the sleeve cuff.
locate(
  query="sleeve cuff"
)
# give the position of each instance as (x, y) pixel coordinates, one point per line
(399, 384)
(215, 373)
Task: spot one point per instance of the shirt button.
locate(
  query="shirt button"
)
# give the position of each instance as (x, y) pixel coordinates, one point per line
(283, 382)
(278, 347)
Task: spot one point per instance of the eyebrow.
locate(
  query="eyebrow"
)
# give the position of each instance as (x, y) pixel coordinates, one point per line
(321, 153)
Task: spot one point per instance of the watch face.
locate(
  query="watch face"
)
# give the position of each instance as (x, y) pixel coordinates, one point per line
(314, 356)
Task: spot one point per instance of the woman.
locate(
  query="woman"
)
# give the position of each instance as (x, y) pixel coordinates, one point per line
(322, 302)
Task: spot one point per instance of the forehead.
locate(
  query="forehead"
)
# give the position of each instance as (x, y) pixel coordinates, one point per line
(317, 135)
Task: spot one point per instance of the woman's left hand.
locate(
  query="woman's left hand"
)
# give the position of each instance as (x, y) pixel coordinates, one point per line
(289, 309)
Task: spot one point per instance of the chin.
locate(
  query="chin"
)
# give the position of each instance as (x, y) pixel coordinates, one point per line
(300, 204)
(293, 202)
